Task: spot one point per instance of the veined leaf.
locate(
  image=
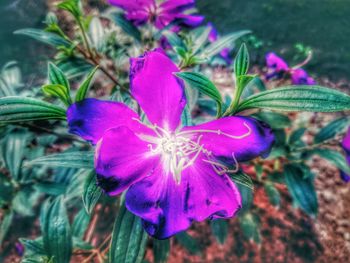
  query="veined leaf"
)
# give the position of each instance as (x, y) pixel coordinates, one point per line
(274, 119)
(299, 98)
(302, 189)
(161, 250)
(333, 156)
(128, 238)
(241, 63)
(200, 36)
(72, 6)
(243, 179)
(77, 159)
(296, 135)
(84, 87)
(57, 234)
(332, 129)
(80, 224)
(5, 225)
(204, 85)
(224, 42)
(19, 109)
(128, 27)
(43, 36)
(250, 227)
(91, 192)
(97, 34)
(56, 76)
(188, 242)
(58, 91)
(174, 39)
(75, 67)
(219, 227)
(272, 194)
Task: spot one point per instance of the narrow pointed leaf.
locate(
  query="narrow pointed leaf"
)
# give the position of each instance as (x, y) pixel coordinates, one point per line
(92, 192)
(78, 159)
(128, 27)
(224, 42)
(161, 250)
(56, 76)
(204, 85)
(299, 98)
(219, 227)
(302, 189)
(128, 238)
(58, 91)
(5, 225)
(19, 109)
(241, 63)
(242, 179)
(332, 129)
(188, 242)
(80, 224)
(57, 235)
(84, 87)
(43, 36)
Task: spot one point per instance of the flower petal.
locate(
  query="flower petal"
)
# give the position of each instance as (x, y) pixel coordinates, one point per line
(237, 137)
(167, 207)
(132, 5)
(154, 86)
(122, 159)
(300, 77)
(90, 118)
(346, 143)
(276, 63)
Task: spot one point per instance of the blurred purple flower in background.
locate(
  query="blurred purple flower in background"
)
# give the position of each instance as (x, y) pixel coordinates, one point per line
(174, 175)
(278, 68)
(160, 14)
(346, 146)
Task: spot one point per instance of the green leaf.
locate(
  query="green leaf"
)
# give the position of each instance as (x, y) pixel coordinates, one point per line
(128, 238)
(84, 87)
(10, 79)
(247, 198)
(97, 34)
(128, 27)
(219, 227)
(302, 189)
(73, 7)
(43, 36)
(80, 224)
(203, 84)
(75, 67)
(58, 91)
(20, 109)
(173, 39)
(5, 225)
(242, 179)
(76, 159)
(298, 98)
(188, 242)
(332, 129)
(241, 63)
(224, 42)
(200, 36)
(161, 250)
(274, 119)
(51, 188)
(250, 227)
(272, 194)
(92, 192)
(56, 76)
(296, 135)
(33, 247)
(333, 156)
(12, 149)
(57, 234)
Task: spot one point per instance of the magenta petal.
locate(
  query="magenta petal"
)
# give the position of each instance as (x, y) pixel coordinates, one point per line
(213, 34)
(238, 137)
(157, 90)
(176, 5)
(190, 20)
(90, 118)
(122, 159)
(276, 63)
(168, 208)
(346, 142)
(300, 77)
(132, 5)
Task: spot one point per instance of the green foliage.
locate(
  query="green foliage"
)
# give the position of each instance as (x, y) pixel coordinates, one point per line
(250, 227)
(45, 37)
(298, 98)
(241, 63)
(128, 27)
(332, 129)
(301, 188)
(16, 109)
(219, 227)
(128, 238)
(84, 87)
(204, 85)
(57, 236)
(188, 242)
(161, 250)
(91, 193)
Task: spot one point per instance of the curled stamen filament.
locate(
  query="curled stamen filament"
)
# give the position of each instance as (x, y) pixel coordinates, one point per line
(219, 132)
(221, 169)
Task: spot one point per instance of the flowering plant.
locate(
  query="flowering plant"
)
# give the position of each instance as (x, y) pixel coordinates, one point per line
(161, 137)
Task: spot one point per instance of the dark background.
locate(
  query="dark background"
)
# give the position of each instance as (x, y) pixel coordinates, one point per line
(323, 25)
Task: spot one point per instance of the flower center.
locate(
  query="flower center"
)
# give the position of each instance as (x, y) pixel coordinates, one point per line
(179, 150)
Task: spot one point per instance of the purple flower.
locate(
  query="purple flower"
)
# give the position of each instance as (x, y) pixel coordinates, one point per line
(346, 146)
(277, 66)
(173, 175)
(300, 77)
(160, 14)
(213, 36)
